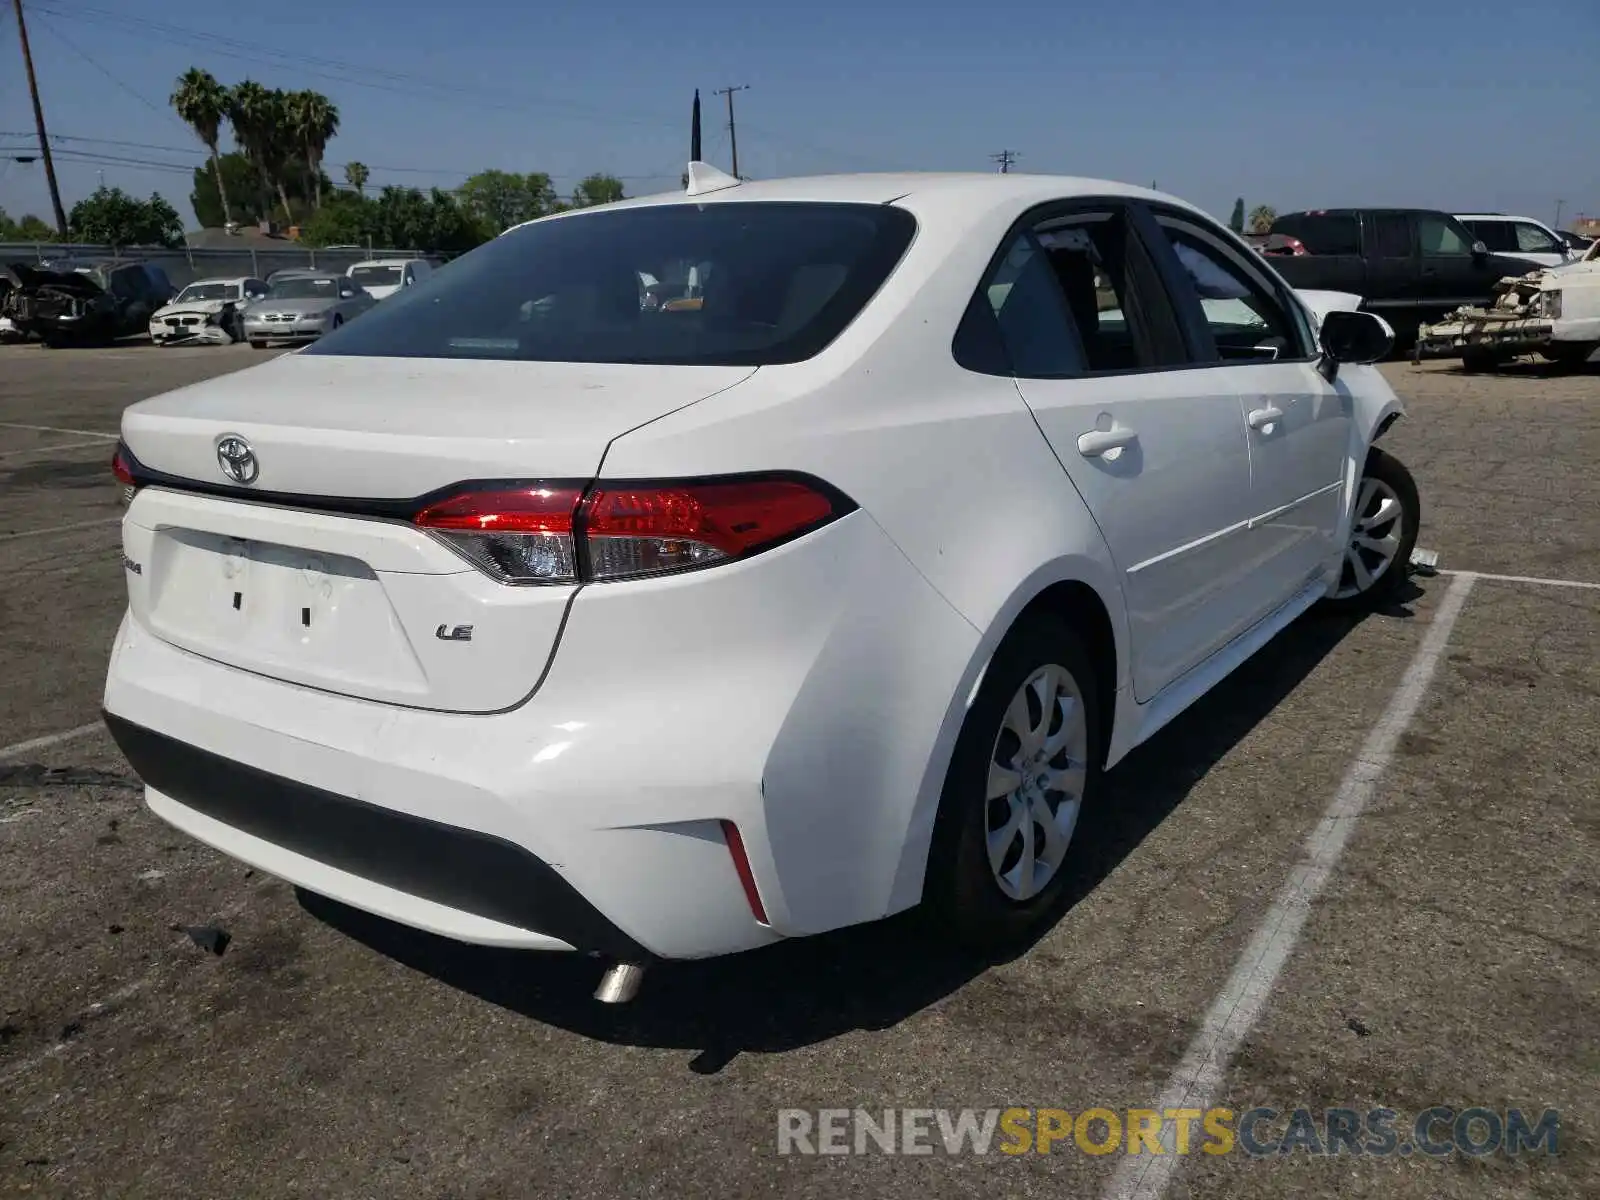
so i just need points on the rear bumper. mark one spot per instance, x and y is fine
(444, 867)
(809, 696)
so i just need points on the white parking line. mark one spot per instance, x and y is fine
(97, 440)
(1243, 998)
(28, 533)
(1572, 583)
(91, 433)
(49, 739)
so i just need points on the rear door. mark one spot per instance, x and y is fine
(1251, 339)
(1158, 455)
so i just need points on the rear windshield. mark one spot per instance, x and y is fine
(732, 283)
(375, 276)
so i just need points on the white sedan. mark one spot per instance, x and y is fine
(533, 616)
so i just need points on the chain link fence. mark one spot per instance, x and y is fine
(184, 266)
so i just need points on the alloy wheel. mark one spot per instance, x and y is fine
(1037, 772)
(1375, 538)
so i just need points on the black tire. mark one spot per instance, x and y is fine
(1475, 362)
(1390, 471)
(1571, 355)
(961, 896)
(257, 345)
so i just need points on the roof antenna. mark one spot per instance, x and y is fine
(703, 178)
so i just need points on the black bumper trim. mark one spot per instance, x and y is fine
(463, 869)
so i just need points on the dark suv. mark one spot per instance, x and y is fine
(74, 302)
(1411, 266)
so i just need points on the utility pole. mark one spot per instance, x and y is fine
(1560, 204)
(38, 118)
(733, 137)
(1005, 158)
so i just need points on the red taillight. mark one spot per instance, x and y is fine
(646, 530)
(741, 867)
(121, 469)
(533, 534)
(518, 535)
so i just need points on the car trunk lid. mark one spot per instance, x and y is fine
(311, 573)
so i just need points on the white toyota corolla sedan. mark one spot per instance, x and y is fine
(823, 581)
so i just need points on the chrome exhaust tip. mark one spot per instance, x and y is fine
(620, 983)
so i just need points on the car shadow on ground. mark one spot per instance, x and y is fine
(809, 990)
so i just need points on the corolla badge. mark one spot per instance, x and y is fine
(237, 460)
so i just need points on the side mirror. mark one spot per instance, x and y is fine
(1479, 250)
(1353, 337)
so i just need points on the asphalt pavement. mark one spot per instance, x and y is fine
(1362, 874)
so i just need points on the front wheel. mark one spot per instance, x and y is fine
(1382, 535)
(1025, 763)
(1570, 354)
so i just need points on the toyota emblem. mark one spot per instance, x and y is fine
(237, 460)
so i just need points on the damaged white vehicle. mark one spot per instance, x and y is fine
(1554, 313)
(209, 312)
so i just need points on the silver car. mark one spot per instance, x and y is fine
(301, 308)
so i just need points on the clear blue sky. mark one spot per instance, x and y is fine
(1459, 105)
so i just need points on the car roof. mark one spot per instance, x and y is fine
(926, 193)
(383, 262)
(219, 279)
(1496, 217)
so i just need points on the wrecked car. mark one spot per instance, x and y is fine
(209, 312)
(79, 303)
(1554, 313)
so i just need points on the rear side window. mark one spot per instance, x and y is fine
(730, 283)
(1391, 235)
(1075, 295)
(1325, 233)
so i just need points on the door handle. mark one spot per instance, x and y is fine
(1097, 441)
(1262, 417)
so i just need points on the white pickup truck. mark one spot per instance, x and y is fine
(1554, 312)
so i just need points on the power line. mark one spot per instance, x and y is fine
(142, 99)
(201, 155)
(1005, 158)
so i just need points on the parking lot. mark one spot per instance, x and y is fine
(1449, 952)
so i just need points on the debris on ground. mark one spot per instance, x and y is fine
(211, 938)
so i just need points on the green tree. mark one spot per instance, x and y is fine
(1236, 222)
(261, 126)
(250, 202)
(597, 189)
(111, 216)
(34, 229)
(497, 200)
(311, 122)
(356, 175)
(202, 103)
(345, 219)
(1261, 218)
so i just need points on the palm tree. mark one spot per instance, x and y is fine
(1261, 218)
(356, 175)
(202, 104)
(280, 145)
(250, 111)
(313, 120)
